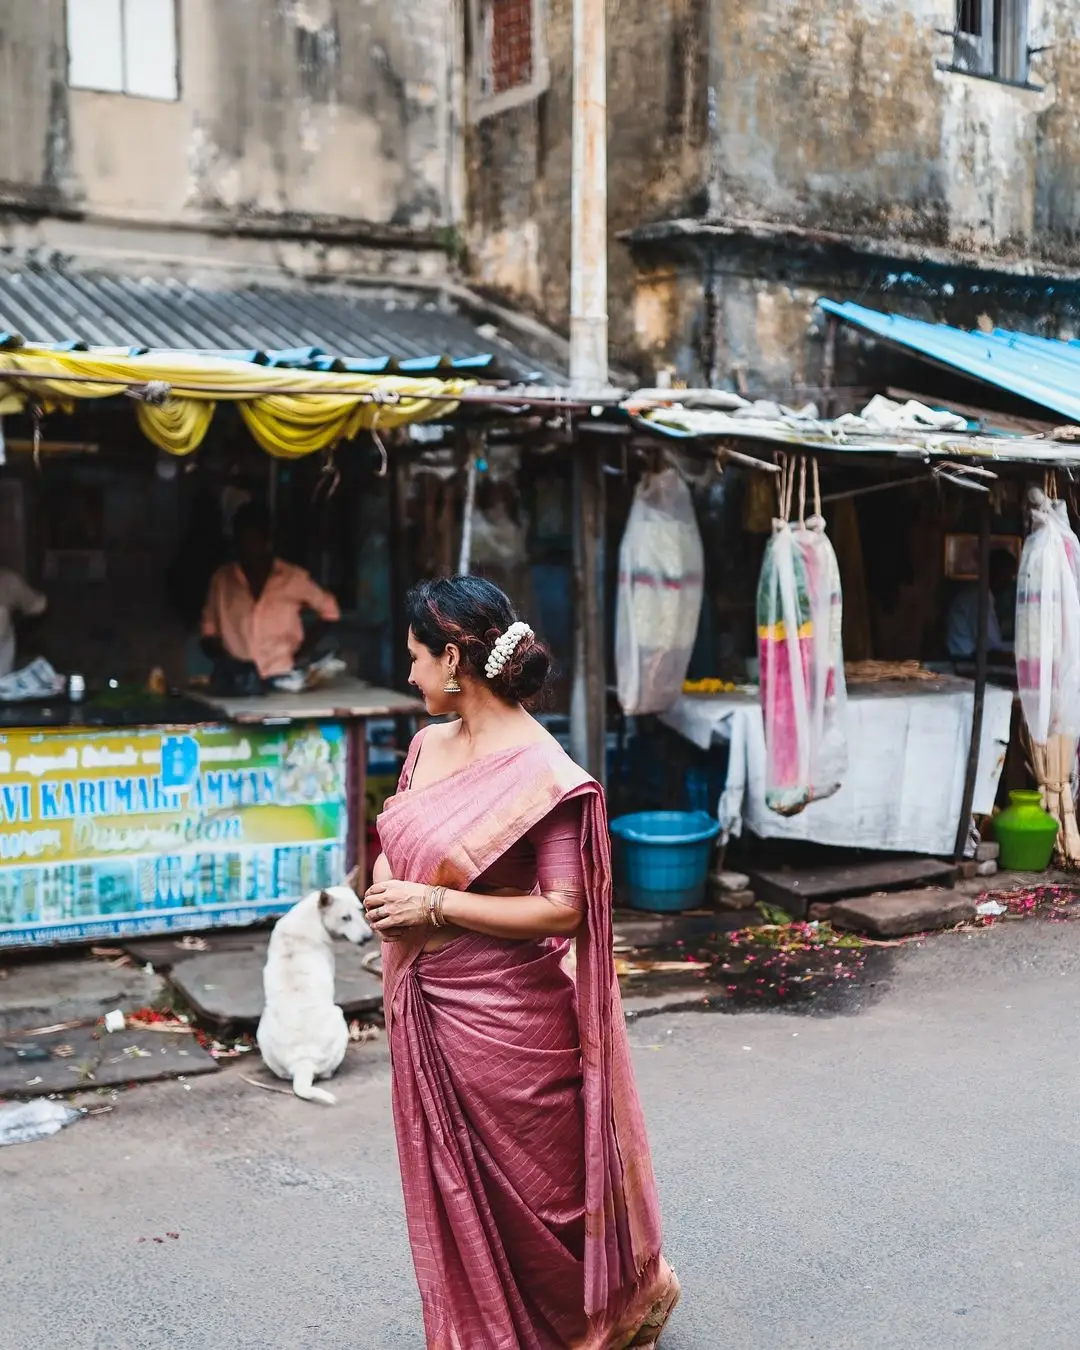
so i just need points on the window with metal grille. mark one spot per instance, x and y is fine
(991, 38)
(123, 47)
(509, 59)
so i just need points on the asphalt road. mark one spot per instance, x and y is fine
(901, 1175)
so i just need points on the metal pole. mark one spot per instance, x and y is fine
(588, 202)
(588, 372)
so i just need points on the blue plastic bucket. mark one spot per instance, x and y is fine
(662, 859)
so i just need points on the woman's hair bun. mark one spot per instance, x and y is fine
(473, 614)
(526, 673)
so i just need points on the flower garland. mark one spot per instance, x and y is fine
(505, 646)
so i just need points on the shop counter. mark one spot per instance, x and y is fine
(122, 818)
(907, 756)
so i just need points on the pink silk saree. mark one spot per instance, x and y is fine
(529, 1189)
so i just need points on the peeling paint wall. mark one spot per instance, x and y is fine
(789, 120)
(519, 161)
(34, 123)
(828, 113)
(840, 114)
(306, 113)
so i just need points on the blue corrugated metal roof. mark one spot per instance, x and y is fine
(1043, 370)
(316, 327)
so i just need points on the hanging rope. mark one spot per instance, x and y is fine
(785, 486)
(36, 413)
(328, 481)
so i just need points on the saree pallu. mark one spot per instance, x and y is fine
(529, 1190)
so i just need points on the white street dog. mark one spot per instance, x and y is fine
(302, 1033)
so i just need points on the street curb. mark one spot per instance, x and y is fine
(637, 1006)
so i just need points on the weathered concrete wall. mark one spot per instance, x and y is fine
(828, 113)
(746, 312)
(520, 161)
(837, 114)
(815, 121)
(34, 122)
(306, 114)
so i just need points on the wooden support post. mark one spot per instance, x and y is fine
(828, 373)
(448, 511)
(400, 580)
(588, 699)
(359, 748)
(963, 825)
(474, 444)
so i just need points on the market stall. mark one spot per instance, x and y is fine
(905, 786)
(216, 814)
(919, 519)
(337, 712)
(132, 800)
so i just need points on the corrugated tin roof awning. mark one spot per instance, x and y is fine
(1042, 370)
(884, 428)
(314, 327)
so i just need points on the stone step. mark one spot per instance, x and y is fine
(646, 931)
(902, 913)
(40, 993)
(795, 890)
(170, 949)
(226, 988)
(87, 1058)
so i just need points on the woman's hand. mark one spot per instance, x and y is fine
(392, 907)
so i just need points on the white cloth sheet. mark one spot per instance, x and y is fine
(905, 781)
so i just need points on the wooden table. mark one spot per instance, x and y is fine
(346, 700)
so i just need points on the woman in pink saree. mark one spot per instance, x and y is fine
(529, 1191)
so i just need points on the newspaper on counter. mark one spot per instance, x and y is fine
(319, 673)
(37, 680)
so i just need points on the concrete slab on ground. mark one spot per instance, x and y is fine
(88, 1057)
(226, 987)
(1015, 881)
(37, 993)
(903, 912)
(795, 890)
(165, 952)
(687, 998)
(643, 931)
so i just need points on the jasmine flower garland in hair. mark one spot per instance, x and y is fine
(505, 646)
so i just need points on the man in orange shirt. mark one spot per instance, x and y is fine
(252, 626)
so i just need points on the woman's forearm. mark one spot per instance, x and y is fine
(510, 916)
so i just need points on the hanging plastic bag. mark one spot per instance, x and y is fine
(800, 649)
(661, 566)
(1048, 657)
(1048, 622)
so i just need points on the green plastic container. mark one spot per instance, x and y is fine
(1026, 833)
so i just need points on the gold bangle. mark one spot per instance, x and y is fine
(437, 897)
(429, 900)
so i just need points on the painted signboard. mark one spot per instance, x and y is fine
(141, 830)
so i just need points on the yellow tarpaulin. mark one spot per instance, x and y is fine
(329, 408)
